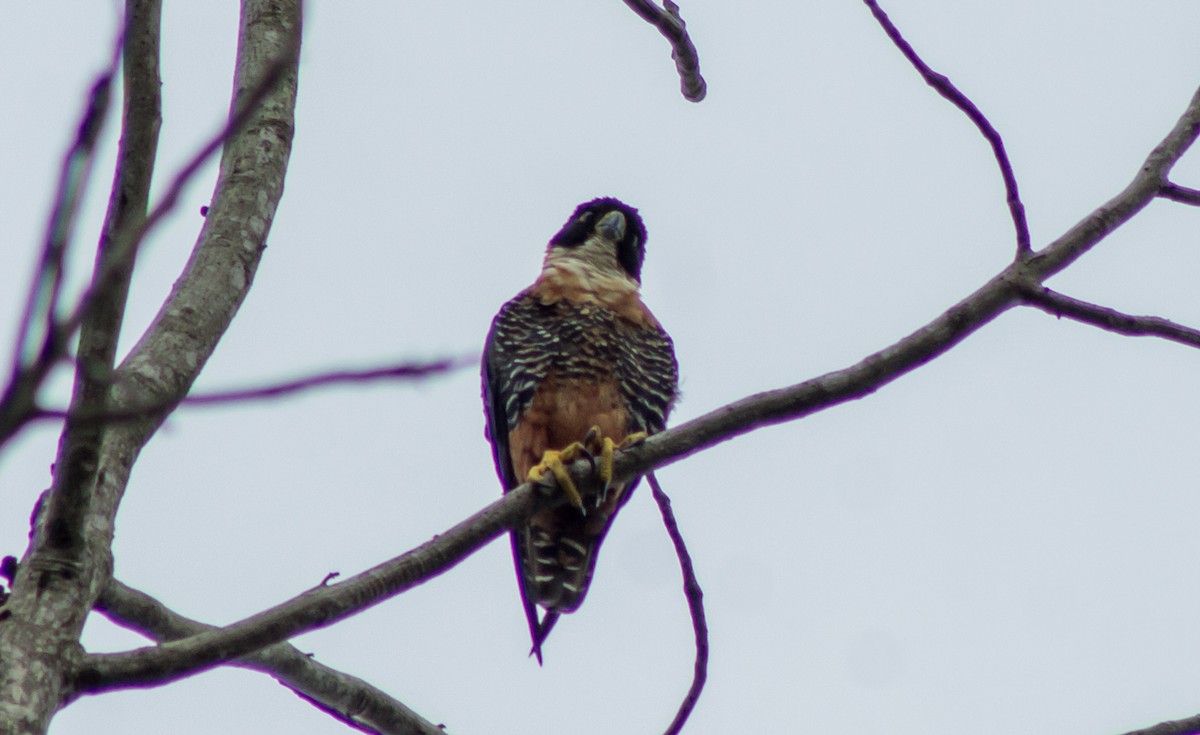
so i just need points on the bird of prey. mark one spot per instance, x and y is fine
(575, 365)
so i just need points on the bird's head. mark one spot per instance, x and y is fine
(607, 225)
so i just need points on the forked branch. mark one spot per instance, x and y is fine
(1110, 320)
(344, 697)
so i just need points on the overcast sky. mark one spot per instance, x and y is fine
(1003, 541)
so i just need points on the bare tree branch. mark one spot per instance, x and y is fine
(130, 195)
(324, 606)
(403, 371)
(683, 51)
(52, 593)
(695, 601)
(317, 608)
(946, 88)
(391, 372)
(42, 301)
(345, 697)
(1181, 194)
(1110, 320)
(244, 111)
(18, 404)
(69, 499)
(41, 342)
(1189, 726)
(53, 590)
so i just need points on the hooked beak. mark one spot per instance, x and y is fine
(612, 226)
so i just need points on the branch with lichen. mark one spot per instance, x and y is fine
(68, 561)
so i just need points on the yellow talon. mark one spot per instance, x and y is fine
(607, 448)
(555, 462)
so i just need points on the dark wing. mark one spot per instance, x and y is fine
(649, 376)
(516, 358)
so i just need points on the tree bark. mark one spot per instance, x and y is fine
(68, 561)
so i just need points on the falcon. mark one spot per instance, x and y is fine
(575, 366)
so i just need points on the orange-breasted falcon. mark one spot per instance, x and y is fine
(575, 365)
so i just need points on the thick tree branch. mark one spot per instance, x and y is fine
(326, 605)
(1110, 320)
(130, 238)
(53, 590)
(69, 500)
(345, 697)
(40, 623)
(687, 61)
(18, 404)
(946, 88)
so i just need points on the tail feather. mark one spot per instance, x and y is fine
(539, 631)
(555, 555)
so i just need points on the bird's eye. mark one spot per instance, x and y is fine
(585, 216)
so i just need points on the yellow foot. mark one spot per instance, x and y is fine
(607, 447)
(555, 462)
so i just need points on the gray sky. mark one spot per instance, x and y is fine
(1003, 541)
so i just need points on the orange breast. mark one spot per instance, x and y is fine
(562, 412)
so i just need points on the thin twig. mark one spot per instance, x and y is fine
(347, 698)
(1181, 194)
(128, 242)
(41, 342)
(18, 403)
(695, 601)
(42, 302)
(946, 88)
(672, 26)
(406, 371)
(403, 371)
(1110, 320)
